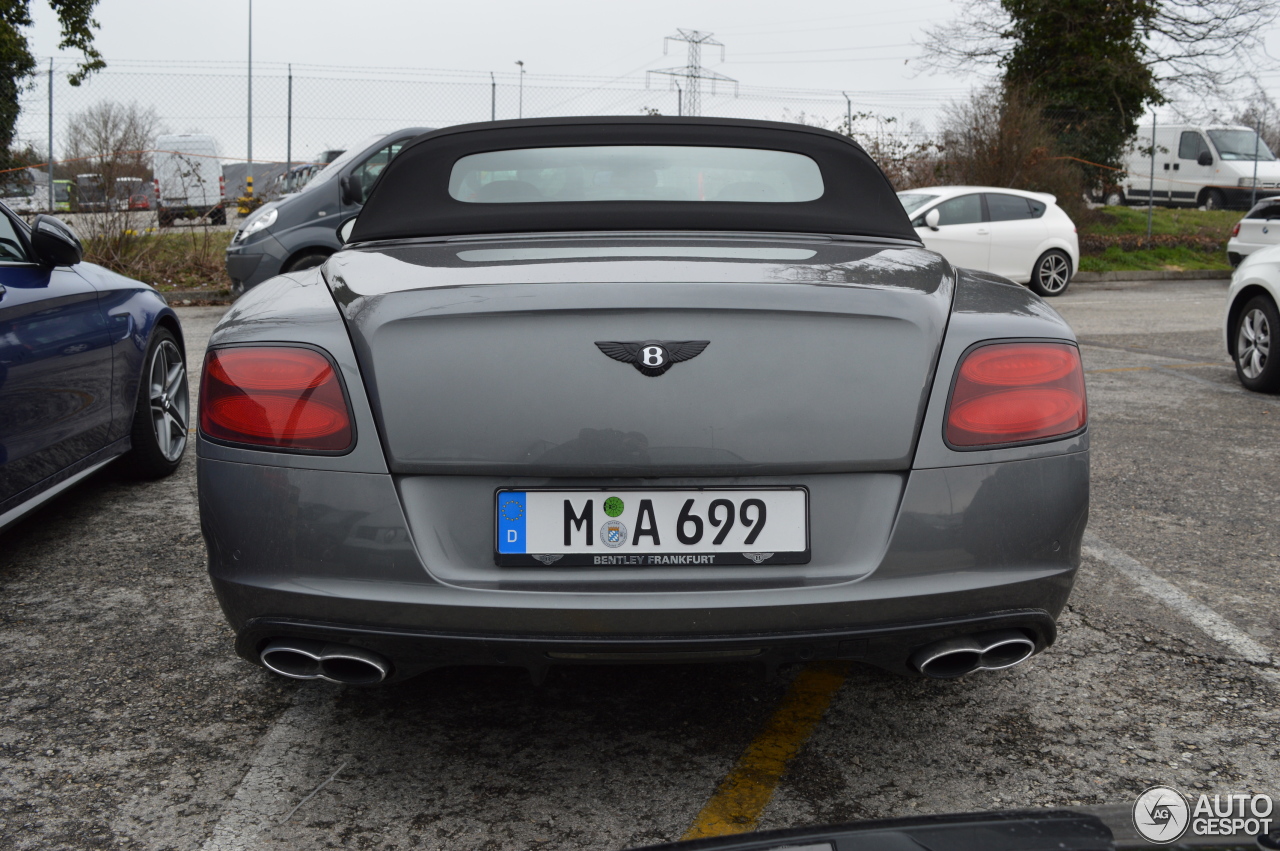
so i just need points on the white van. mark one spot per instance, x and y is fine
(188, 179)
(1198, 166)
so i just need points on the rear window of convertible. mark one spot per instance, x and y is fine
(635, 173)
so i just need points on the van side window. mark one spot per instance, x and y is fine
(1190, 145)
(368, 171)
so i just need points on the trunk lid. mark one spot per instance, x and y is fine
(481, 357)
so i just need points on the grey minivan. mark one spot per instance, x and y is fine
(300, 230)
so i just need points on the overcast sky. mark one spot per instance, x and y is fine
(866, 48)
(831, 44)
(818, 44)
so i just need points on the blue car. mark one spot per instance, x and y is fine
(92, 368)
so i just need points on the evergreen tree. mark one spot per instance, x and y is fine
(17, 65)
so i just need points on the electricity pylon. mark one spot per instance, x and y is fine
(694, 73)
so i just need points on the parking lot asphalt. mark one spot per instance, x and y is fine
(127, 722)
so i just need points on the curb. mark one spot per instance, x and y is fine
(176, 300)
(1202, 275)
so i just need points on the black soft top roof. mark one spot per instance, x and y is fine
(411, 197)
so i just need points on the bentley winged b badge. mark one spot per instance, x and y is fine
(653, 357)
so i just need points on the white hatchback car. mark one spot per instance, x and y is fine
(1259, 228)
(1024, 236)
(1252, 319)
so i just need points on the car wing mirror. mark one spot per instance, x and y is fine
(1205, 158)
(352, 190)
(345, 229)
(932, 218)
(55, 243)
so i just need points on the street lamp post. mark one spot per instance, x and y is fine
(248, 180)
(521, 107)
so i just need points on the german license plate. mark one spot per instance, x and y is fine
(683, 527)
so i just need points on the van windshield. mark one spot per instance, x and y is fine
(331, 170)
(1240, 145)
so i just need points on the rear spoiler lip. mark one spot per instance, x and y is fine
(749, 236)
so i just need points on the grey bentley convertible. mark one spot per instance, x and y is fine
(609, 390)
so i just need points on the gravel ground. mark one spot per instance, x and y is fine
(127, 722)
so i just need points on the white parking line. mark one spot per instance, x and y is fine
(288, 753)
(1210, 622)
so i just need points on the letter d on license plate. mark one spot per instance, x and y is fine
(651, 528)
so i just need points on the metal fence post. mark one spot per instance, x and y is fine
(1257, 139)
(493, 98)
(288, 137)
(53, 206)
(1151, 183)
(248, 174)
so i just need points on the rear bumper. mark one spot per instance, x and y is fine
(326, 554)
(412, 652)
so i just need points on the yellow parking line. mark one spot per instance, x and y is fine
(1158, 366)
(741, 798)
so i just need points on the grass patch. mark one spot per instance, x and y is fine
(1172, 221)
(1160, 258)
(1114, 239)
(193, 259)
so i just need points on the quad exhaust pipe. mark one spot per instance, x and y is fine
(984, 651)
(304, 659)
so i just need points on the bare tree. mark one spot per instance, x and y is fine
(113, 137)
(1200, 47)
(1000, 137)
(1262, 114)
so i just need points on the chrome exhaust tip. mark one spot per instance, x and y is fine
(986, 651)
(305, 659)
(1004, 648)
(949, 658)
(352, 666)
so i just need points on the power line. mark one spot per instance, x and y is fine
(826, 49)
(812, 61)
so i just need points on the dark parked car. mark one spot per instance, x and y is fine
(91, 369)
(606, 390)
(298, 231)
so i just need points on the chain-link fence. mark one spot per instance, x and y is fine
(302, 111)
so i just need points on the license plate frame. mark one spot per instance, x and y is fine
(617, 557)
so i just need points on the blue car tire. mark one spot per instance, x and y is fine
(162, 416)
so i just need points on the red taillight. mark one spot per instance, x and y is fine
(278, 396)
(1235, 231)
(1015, 392)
